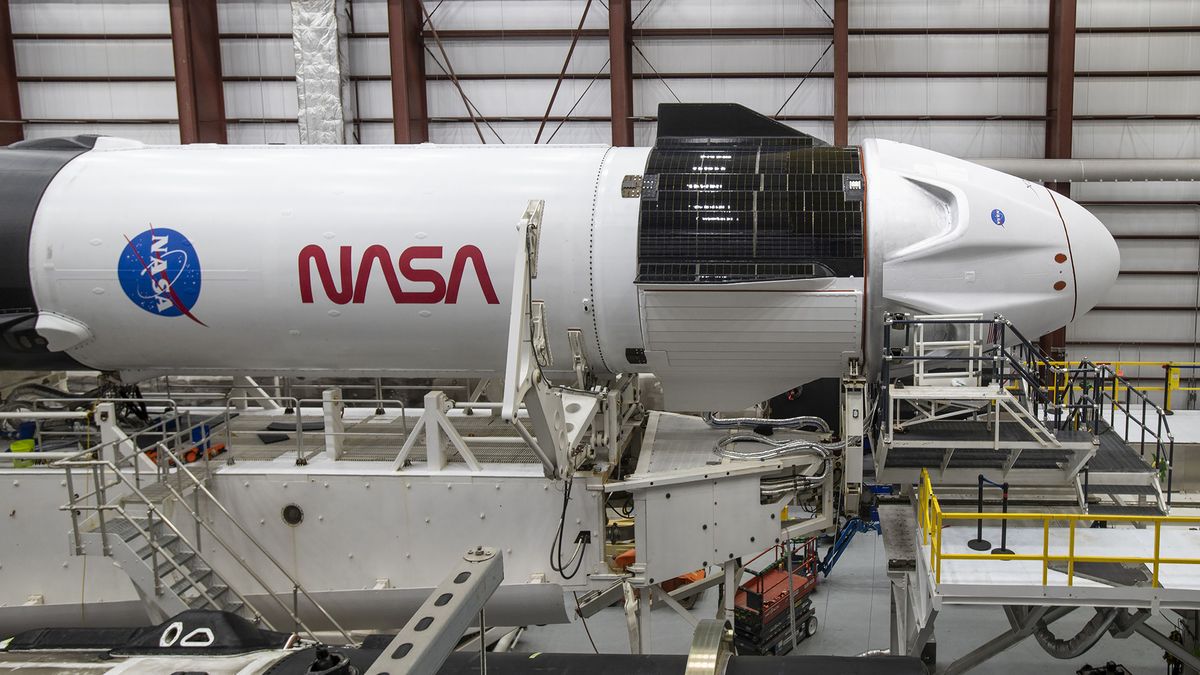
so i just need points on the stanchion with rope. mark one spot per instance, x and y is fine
(1003, 550)
(979, 543)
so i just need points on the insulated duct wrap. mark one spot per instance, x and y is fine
(321, 67)
(1084, 640)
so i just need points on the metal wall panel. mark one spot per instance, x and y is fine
(95, 58)
(98, 100)
(155, 134)
(123, 16)
(961, 139)
(260, 58)
(1140, 13)
(949, 13)
(948, 53)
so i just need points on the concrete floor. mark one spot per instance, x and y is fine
(852, 606)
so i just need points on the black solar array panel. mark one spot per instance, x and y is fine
(749, 209)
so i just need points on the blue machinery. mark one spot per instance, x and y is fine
(845, 535)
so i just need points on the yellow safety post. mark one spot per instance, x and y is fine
(1157, 541)
(1071, 556)
(1171, 385)
(923, 505)
(1045, 550)
(938, 515)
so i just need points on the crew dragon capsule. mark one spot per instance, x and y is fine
(735, 259)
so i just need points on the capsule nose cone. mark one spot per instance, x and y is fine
(1095, 260)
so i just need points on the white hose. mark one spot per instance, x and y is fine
(776, 448)
(802, 422)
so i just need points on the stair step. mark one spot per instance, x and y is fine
(905, 457)
(215, 592)
(119, 527)
(1115, 489)
(181, 559)
(1119, 510)
(183, 585)
(160, 491)
(163, 541)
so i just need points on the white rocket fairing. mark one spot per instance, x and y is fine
(734, 264)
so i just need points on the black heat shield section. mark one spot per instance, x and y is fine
(26, 169)
(720, 120)
(725, 209)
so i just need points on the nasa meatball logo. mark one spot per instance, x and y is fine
(160, 272)
(998, 217)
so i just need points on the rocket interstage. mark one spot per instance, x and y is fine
(735, 260)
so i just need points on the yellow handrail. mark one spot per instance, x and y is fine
(931, 519)
(1171, 380)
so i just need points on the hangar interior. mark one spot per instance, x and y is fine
(804, 244)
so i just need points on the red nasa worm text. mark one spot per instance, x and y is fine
(351, 287)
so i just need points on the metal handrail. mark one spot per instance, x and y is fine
(1022, 357)
(157, 429)
(100, 508)
(1170, 383)
(199, 485)
(292, 404)
(1164, 439)
(165, 456)
(931, 520)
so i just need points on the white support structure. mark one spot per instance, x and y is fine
(559, 417)
(114, 442)
(256, 393)
(332, 409)
(422, 646)
(854, 413)
(433, 423)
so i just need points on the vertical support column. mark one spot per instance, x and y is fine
(620, 67)
(841, 72)
(1060, 84)
(332, 409)
(1060, 111)
(196, 42)
(729, 597)
(435, 452)
(11, 130)
(644, 605)
(853, 418)
(406, 50)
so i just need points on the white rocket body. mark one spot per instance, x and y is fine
(209, 259)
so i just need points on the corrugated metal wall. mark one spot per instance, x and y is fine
(966, 77)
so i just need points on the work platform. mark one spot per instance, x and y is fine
(1126, 584)
(367, 436)
(1037, 567)
(988, 579)
(1009, 415)
(972, 444)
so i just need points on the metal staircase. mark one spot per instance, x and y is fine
(973, 401)
(168, 572)
(151, 511)
(966, 396)
(1133, 465)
